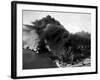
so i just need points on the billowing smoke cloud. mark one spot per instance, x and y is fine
(30, 39)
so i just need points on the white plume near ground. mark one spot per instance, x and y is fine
(30, 39)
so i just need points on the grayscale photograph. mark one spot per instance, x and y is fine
(55, 39)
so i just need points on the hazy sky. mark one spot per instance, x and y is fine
(73, 22)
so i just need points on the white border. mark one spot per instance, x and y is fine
(35, 72)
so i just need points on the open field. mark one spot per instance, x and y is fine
(32, 60)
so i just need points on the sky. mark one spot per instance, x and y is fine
(73, 22)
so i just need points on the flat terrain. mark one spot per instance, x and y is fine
(33, 61)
